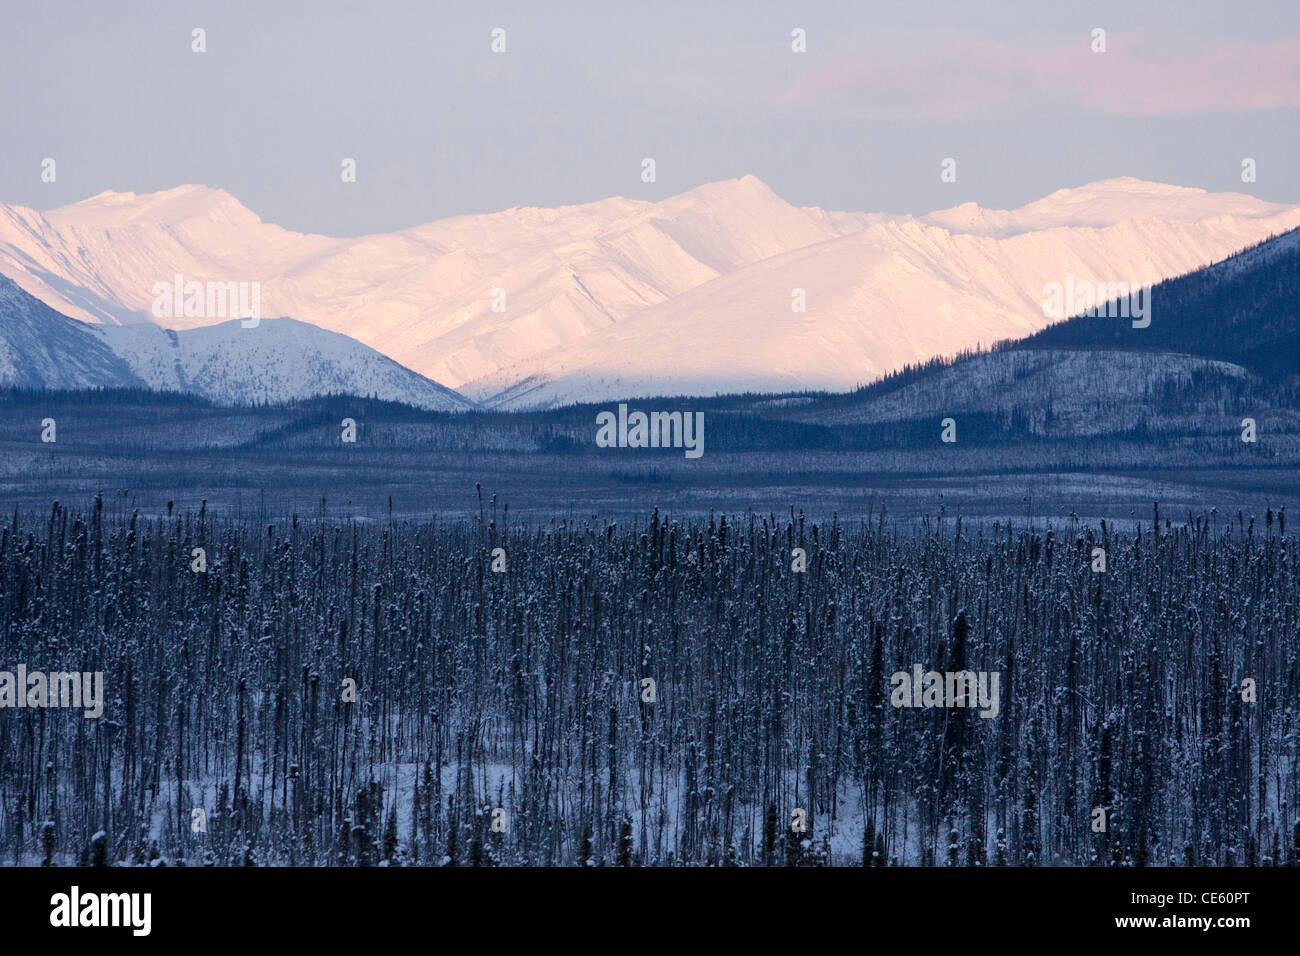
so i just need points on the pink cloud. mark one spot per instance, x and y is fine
(1133, 78)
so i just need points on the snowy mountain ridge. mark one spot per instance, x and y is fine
(624, 297)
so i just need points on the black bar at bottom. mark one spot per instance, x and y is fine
(339, 906)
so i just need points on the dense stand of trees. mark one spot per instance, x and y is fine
(522, 691)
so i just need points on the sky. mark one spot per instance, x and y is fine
(439, 124)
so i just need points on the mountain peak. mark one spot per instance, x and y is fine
(168, 207)
(748, 186)
(1121, 186)
(1103, 203)
(1133, 184)
(1108, 201)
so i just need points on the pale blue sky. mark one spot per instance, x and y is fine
(439, 125)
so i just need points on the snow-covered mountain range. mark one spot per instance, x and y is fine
(622, 297)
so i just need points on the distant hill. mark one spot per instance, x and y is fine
(41, 348)
(279, 360)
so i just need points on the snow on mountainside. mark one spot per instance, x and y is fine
(278, 360)
(877, 300)
(39, 348)
(1221, 339)
(98, 259)
(422, 296)
(1241, 310)
(627, 297)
